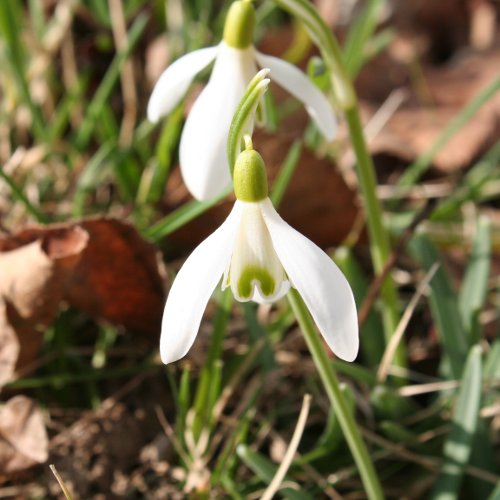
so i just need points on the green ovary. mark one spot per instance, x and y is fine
(252, 274)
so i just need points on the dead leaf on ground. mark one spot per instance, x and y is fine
(318, 202)
(9, 348)
(415, 126)
(100, 266)
(23, 438)
(34, 270)
(120, 277)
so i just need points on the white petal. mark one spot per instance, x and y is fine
(203, 156)
(192, 289)
(175, 80)
(319, 281)
(298, 84)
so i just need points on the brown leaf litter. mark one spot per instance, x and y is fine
(23, 438)
(101, 266)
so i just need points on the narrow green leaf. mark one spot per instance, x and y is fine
(181, 216)
(286, 172)
(93, 173)
(265, 471)
(18, 194)
(458, 445)
(423, 162)
(444, 306)
(492, 364)
(92, 115)
(10, 27)
(496, 493)
(359, 34)
(475, 284)
(169, 140)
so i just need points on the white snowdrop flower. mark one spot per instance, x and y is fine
(259, 256)
(203, 161)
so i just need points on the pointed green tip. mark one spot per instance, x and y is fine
(250, 177)
(240, 25)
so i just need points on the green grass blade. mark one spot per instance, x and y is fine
(265, 471)
(475, 284)
(496, 493)
(359, 34)
(10, 27)
(91, 118)
(417, 168)
(286, 172)
(458, 445)
(181, 216)
(444, 305)
(18, 194)
(91, 176)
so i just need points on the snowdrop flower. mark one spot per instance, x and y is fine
(203, 162)
(259, 256)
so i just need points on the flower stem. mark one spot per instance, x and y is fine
(345, 97)
(337, 400)
(379, 238)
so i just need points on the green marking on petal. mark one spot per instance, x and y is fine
(254, 273)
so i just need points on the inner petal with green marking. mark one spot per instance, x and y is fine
(255, 272)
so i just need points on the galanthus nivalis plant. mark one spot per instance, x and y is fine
(203, 162)
(259, 256)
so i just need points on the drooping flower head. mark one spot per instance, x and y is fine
(203, 161)
(259, 256)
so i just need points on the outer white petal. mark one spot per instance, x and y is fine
(175, 80)
(203, 146)
(193, 287)
(319, 281)
(298, 84)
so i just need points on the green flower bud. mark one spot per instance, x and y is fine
(240, 24)
(250, 177)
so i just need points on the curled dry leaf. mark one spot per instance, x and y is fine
(23, 438)
(100, 266)
(35, 266)
(120, 277)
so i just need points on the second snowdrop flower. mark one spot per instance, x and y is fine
(203, 161)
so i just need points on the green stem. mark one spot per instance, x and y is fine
(379, 238)
(208, 373)
(337, 400)
(345, 97)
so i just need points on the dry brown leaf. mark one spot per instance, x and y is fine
(34, 267)
(318, 203)
(100, 266)
(416, 125)
(120, 277)
(9, 348)
(23, 438)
